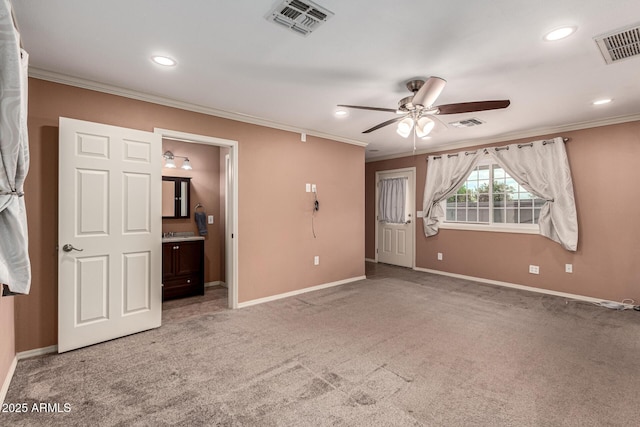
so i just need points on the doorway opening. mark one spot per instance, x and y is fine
(229, 183)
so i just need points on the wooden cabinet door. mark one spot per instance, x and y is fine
(189, 258)
(168, 253)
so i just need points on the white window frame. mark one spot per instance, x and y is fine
(495, 227)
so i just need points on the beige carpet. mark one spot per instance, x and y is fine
(401, 348)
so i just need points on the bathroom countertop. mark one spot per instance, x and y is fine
(175, 239)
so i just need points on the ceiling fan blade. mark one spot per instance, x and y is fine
(359, 107)
(387, 123)
(468, 107)
(429, 92)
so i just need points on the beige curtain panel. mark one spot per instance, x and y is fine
(392, 201)
(445, 174)
(542, 168)
(15, 268)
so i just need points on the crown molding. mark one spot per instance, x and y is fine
(510, 137)
(54, 77)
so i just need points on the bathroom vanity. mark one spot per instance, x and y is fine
(182, 266)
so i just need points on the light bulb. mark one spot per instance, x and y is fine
(404, 127)
(424, 126)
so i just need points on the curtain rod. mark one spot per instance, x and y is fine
(530, 144)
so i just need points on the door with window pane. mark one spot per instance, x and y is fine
(395, 238)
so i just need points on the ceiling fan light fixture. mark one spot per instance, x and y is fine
(404, 127)
(560, 33)
(424, 127)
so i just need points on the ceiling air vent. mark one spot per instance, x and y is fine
(621, 44)
(466, 123)
(300, 16)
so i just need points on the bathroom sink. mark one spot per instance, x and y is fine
(180, 237)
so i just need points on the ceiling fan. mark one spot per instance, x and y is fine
(415, 110)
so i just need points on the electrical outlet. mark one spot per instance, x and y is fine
(210, 219)
(313, 188)
(308, 187)
(316, 260)
(568, 268)
(534, 269)
(439, 256)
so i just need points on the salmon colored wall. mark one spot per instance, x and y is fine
(205, 189)
(7, 336)
(605, 174)
(276, 248)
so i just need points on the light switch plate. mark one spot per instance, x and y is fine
(210, 219)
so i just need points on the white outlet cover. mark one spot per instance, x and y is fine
(308, 187)
(313, 188)
(534, 269)
(316, 260)
(210, 219)
(568, 268)
(439, 256)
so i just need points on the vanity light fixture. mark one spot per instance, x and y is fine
(169, 161)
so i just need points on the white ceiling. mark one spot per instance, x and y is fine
(230, 58)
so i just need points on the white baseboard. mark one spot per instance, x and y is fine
(370, 260)
(216, 283)
(299, 291)
(515, 286)
(7, 380)
(20, 356)
(37, 352)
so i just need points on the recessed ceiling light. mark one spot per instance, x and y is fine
(602, 101)
(559, 33)
(163, 60)
(340, 112)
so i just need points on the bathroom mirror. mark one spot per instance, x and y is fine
(175, 197)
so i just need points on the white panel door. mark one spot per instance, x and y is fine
(109, 233)
(395, 242)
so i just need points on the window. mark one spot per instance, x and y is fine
(491, 199)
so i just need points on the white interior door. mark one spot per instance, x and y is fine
(395, 242)
(109, 231)
(228, 203)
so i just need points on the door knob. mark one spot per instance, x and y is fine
(69, 248)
